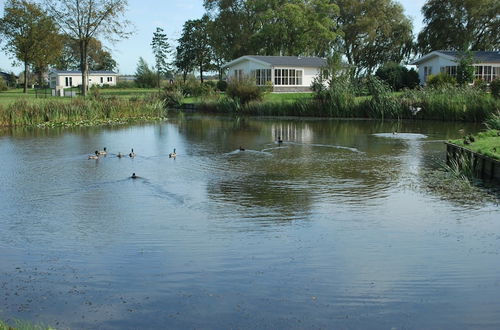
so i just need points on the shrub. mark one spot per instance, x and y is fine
(244, 90)
(481, 85)
(172, 97)
(495, 88)
(494, 121)
(397, 76)
(222, 85)
(441, 80)
(3, 85)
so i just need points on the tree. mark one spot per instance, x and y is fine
(30, 35)
(460, 25)
(161, 49)
(82, 20)
(99, 59)
(397, 76)
(272, 27)
(375, 32)
(195, 45)
(145, 77)
(465, 68)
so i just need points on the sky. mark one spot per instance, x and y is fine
(170, 15)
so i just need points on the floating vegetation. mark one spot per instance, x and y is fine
(457, 181)
(23, 325)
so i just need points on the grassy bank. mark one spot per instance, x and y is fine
(79, 111)
(486, 143)
(21, 325)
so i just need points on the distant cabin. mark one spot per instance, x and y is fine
(486, 64)
(67, 79)
(285, 73)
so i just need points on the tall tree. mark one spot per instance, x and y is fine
(375, 32)
(98, 57)
(460, 25)
(83, 20)
(195, 41)
(30, 35)
(272, 27)
(161, 49)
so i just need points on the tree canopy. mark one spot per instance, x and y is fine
(30, 35)
(374, 32)
(82, 20)
(460, 25)
(161, 49)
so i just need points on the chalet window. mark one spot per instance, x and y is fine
(69, 81)
(262, 76)
(449, 70)
(238, 74)
(483, 72)
(427, 72)
(110, 79)
(288, 77)
(102, 80)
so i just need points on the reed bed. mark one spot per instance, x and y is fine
(89, 110)
(447, 104)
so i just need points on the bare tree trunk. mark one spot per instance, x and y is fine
(201, 73)
(26, 68)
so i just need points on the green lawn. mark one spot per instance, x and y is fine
(486, 143)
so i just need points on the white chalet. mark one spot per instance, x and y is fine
(486, 63)
(67, 79)
(284, 73)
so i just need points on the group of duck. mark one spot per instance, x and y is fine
(98, 153)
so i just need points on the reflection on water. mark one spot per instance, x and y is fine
(333, 228)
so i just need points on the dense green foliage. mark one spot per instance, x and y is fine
(374, 32)
(495, 88)
(244, 90)
(441, 80)
(3, 85)
(398, 76)
(145, 77)
(99, 59)
(31, 36)
(460, 25)
(194, 49)
(465, 68)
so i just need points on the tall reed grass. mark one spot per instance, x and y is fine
(29, 113)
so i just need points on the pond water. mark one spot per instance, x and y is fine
(334, 228)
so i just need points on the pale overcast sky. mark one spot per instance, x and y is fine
(170, 15)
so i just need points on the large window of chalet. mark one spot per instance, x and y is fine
(287, 77)
(262, 76)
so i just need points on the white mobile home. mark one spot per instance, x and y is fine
(67, 79)
(487, 64)
(285, 73)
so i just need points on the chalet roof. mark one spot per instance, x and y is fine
(79, 72)
(290, 61)
(479, 56)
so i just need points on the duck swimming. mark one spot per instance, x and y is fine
(120, 155)
(132, 153)
(95, 156)
(134, 176)
(103, 152)
(172, 154)
(280, 141)
(241, 149)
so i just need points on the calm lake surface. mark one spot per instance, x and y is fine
(335, 228)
